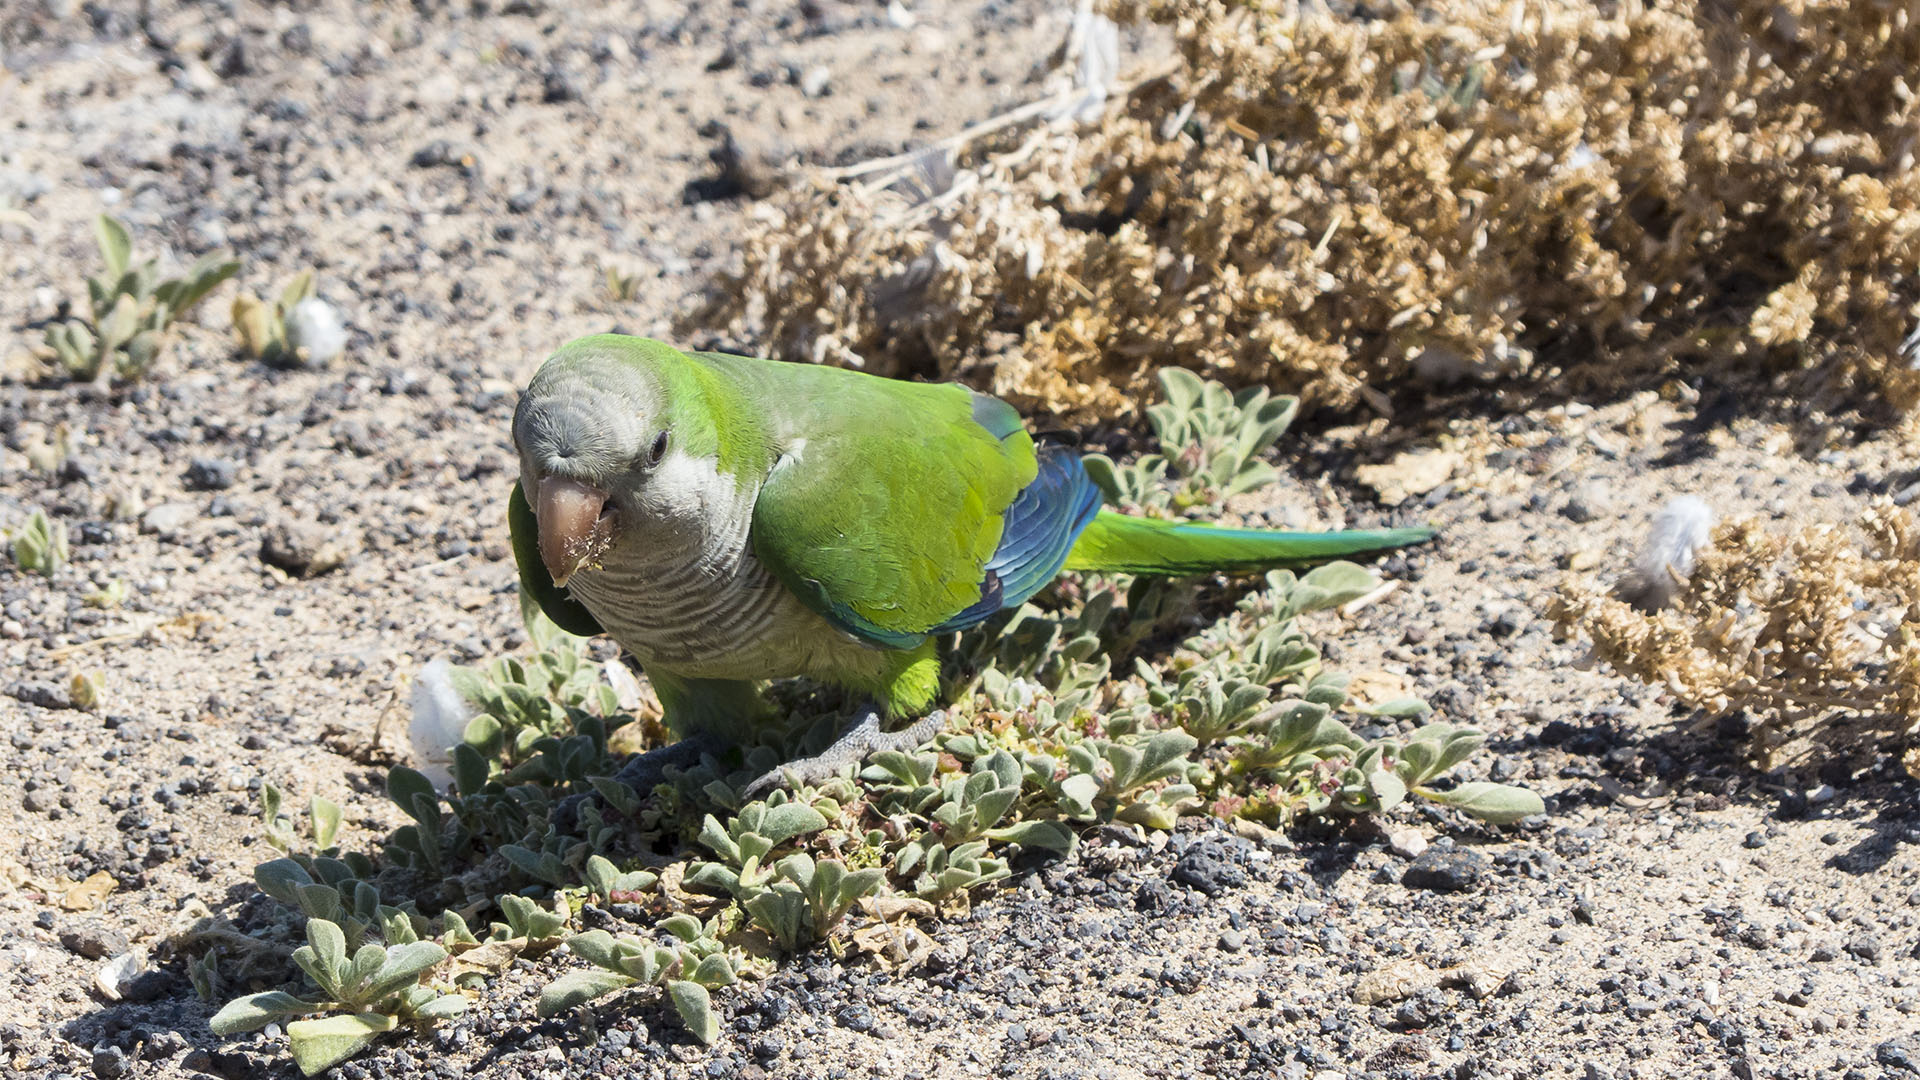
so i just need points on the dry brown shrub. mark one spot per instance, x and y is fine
(1331, 206)
(1816, 637)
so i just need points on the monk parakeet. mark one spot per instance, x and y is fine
(729, 520)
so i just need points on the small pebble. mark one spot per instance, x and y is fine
(1440, 870)
(211, 474)
(110, 1062)
(93, 941)
(1407, 842)
(1206, 867)
(1588, 502)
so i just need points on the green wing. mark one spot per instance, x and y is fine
(883, 521)
(566, 612)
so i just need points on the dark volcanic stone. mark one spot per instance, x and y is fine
(44, 694)
(94, 941)
(1895, 1056)
(211, 474)
(856, 1017)
(1444, 871)
(306, 549)
(558, 86)
(1206, 867)
(109, 1062)
(1152, 895)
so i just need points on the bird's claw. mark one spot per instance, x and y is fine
(854, 745)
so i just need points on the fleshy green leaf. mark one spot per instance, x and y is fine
(683, 926)
(696, 1009)
(788, 820)
(325, 817)
(318, 1045)
(715, 837)
(579, 987)
(1050, 835)
(712, 878)
(444, 1007)
(1497, 804)
(1387, 787)
(358, 980)
(469, 770)
(116, 247)
(282, 879)
(405, 964)
(1332, 585)
(596, 947)
(255, 1011)
(329, 943)
(206, 274)
(713, 971)
(406, 786)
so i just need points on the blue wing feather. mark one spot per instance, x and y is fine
(1040, 527)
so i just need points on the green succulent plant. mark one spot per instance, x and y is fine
(622, 286)
(132, 307)
(1210, 441)
(372, 990)
(811, 900)
(38, 545)
(744, 843)
(262, 325)
(695, 963)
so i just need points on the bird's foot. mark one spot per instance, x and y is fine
(851, 748)
(642, 773)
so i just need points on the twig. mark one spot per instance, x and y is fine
(186, 619)
(1361, 603)
(65, 651)
(897, 164)
(424, 567)
(894, 166)
(1339, 219)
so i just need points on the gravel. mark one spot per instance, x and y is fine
(386, 156)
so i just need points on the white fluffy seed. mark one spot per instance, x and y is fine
(315, 327)
(1680, 531)
(440, 716)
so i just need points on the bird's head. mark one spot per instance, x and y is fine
(592, 430)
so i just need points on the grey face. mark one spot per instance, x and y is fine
(588, 431)
(583, 422)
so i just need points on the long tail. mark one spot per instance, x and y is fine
(1121, 543)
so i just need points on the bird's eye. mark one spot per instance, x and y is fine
(659, 447)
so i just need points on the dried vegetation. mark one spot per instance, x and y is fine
(1339, 207)
(1814, 638)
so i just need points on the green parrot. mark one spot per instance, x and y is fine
(730, 520)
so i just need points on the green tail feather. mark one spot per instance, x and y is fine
(1120, 543)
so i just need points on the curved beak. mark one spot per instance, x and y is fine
(574, 529)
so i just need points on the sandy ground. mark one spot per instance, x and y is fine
(459, 181)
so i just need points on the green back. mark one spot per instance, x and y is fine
(885, 500)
